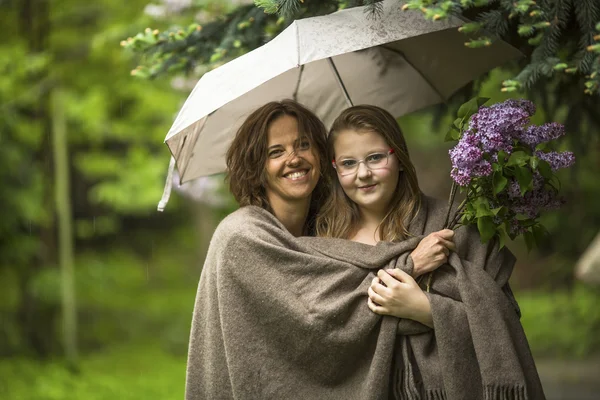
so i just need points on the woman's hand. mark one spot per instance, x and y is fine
(394, 292)
(432, 252)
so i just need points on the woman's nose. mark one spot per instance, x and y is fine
(294, 159)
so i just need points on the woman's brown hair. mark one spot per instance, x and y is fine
(247, 154)
(339, 216)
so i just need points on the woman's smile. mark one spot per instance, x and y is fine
(297, 175)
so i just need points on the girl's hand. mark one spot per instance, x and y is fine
(432, 251)
(394, 292)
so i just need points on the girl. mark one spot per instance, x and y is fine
(375, 198)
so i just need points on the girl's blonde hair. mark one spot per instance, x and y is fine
(339, 216)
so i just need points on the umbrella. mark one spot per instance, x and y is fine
(398, 61)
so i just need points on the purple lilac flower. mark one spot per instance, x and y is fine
(557, 160)
(467, 161)
(536, 201)
(499, 124)
(526, 105)
(515, 227)
(514, 190)
(534, 135)
(466, 153)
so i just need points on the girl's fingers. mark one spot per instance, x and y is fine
(386, 278)
(376, 308)
(374, 297)
(400, 275)
(379, 289)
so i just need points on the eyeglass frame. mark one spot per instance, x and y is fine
(388, 153)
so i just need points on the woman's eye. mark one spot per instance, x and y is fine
(304, 145)
(275, 153)
(348, 163)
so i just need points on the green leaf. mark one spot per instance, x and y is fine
(541, 146)
(452, 135)
(470, 107)
(502, 157)
(499, 182)
(501, 237)
(517, 158)
(525, 179)
(486, 228)
(497, 210)
(534, 162)
(483, 210)
(545, 170)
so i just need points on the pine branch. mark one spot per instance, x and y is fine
(374, 8)
(289, 8)
(587, 13)
(495, 21)
(269, 6)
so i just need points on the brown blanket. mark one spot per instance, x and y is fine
(279, 317)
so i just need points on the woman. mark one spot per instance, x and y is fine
(275, 160)
(278, 315)
(376, 198)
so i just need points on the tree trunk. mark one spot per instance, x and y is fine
(65, 228)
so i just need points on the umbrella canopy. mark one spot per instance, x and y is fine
(398, 61)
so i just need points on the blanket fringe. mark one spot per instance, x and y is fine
(406, 387)
(503, 392)
(435, 394)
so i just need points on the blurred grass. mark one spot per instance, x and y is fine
(562, 324)
(122, 372)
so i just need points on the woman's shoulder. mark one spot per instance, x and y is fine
(243, 222)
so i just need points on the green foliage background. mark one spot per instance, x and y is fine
(137, 270)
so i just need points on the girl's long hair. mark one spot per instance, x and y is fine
(339, 216)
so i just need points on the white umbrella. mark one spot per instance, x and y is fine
(398, 61)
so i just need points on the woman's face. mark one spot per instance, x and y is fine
(374, 182)
(292, 169)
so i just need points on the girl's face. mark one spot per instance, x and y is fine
(367, 169)
(292, 169)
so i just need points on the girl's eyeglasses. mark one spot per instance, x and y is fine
(349, 166)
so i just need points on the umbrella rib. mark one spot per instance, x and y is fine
(398, 52)
(196, 133)
(295, 96)
(340, 82)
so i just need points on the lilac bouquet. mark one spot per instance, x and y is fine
(506, 167)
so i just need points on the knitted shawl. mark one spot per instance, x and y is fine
(280, 317)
